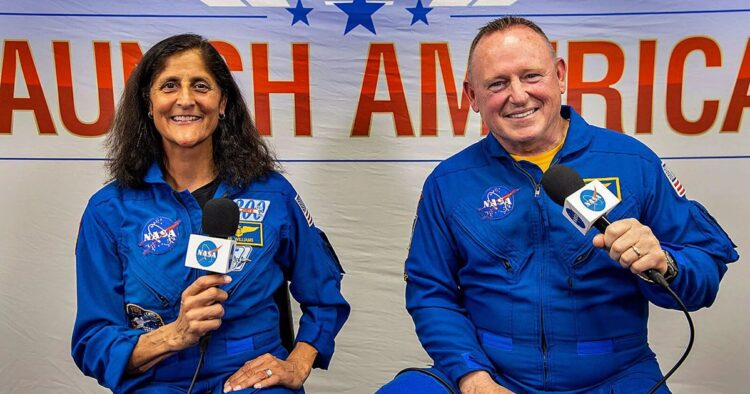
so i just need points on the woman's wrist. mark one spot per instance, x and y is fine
(302, 357)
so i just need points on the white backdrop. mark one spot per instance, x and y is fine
(362, 166)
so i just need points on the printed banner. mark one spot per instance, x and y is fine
(378, 80)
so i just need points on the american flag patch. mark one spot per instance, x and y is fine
(302, 207)
(676, 185)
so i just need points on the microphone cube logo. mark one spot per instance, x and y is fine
(592, 200)
(589, 203)
(207, 253)
(574, 218)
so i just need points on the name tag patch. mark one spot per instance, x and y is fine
(249, 234)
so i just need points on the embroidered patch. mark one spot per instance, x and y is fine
(240, 258)
(676, 185)
(159, 235)
(143, 319)
(249, 234)
(253, 210)
(612, 183)
(302, 206)
(498, 202)
(207, 253)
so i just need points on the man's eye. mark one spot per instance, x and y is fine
(497, 85)
(533, 77)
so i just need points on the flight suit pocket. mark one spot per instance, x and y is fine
(483, 245)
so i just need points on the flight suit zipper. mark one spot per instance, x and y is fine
(543, 336)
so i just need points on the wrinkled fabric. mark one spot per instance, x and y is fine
(498, 280)
(130, 270)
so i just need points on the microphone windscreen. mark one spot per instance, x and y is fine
(560, 181)
(221, 216)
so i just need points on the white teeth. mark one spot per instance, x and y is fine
(523, 114)
(185, 118)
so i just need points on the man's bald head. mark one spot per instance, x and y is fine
(503, 24)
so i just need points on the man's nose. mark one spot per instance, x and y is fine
(518, 93)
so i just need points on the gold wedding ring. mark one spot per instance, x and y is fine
(637, 252)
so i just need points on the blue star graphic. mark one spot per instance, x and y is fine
(299, 13)
(360, 13)
(419, 13)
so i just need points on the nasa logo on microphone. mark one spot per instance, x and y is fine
(159, 235)
(207, 253)
(574, 218)
(612, 183)
(593, 200)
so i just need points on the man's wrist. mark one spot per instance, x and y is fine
(672, 269)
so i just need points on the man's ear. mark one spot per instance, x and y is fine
(471, 94)
(561, 69)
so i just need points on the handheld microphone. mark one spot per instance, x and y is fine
(585, 205)
(213, 252)
(565, 187)
(221, 217)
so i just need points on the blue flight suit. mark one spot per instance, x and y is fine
(498, 280)
(131, 274)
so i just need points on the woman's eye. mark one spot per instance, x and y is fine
(202, 86)
(169, 86)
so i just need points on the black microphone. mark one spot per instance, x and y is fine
(560, 182)
(221, 216)
(214, 252)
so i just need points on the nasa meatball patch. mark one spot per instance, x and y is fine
(159, 235)
(497, 202)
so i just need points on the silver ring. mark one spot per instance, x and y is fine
(637, 252)
(269, 373)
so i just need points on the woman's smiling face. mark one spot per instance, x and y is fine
(185, 102)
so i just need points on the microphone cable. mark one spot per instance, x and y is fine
(658, 278)
(202, 345)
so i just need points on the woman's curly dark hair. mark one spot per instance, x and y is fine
(240, 155)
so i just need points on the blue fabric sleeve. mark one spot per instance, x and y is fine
(699, 246)
(315, 281)
(432, 293)
(102, 340)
